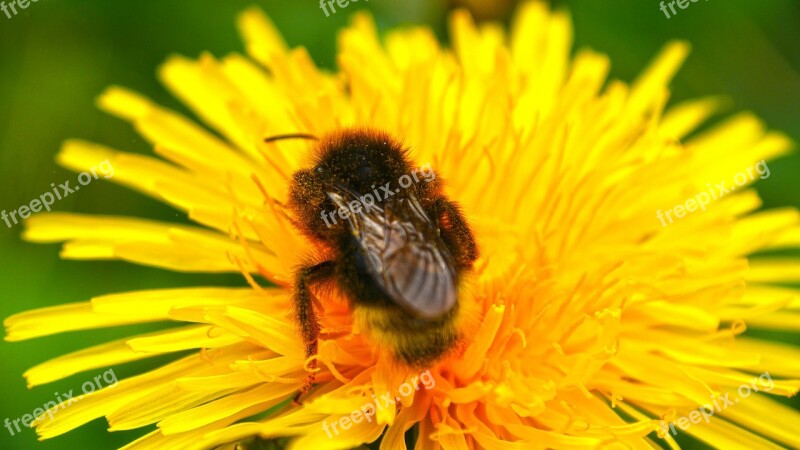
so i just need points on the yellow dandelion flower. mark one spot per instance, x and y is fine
(599, 318)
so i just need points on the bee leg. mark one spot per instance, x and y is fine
(456, 233)
(307, 318)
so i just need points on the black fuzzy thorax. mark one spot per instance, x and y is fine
(361, 161)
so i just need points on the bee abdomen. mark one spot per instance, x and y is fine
(414, 342)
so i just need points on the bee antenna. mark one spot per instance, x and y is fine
(291, 136)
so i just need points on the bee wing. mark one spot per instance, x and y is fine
(404, 254)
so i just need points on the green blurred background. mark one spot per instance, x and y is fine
(57, 56)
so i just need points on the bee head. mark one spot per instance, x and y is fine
(359, 160)
(352, 163)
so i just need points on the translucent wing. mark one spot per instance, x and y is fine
(403, 253)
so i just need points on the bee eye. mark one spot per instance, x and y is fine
(319, 169)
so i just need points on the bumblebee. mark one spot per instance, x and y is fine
(395, 250)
